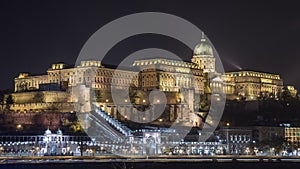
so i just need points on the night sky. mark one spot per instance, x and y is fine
(255, 35)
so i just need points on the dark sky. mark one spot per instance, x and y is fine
(254, 35)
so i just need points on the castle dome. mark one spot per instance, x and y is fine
(203, 48)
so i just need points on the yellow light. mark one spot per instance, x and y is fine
(227, 124)
(160, 120)
(144, 118)
(144, 101)
(19, 126)
(106, 100)
(126, 100)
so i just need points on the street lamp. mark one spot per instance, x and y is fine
(247, 151)
(255, 150)
(1, 150)
(273, 151)
(19, 126)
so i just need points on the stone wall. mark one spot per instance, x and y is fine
(37, 119)
(40, 96)
(38, 107)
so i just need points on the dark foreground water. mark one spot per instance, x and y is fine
(158, 165)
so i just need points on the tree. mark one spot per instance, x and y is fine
(39, 97)
(286, 95)
(271, 96)
(278, 143)
(2, 99)
(134, 95)
(98, 95)
(76, 127)
(9, 101)
(204, 105)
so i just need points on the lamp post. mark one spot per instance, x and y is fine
(247, 150)
(255, 150)
(227, 139)
(273, 151)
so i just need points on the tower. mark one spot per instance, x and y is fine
(204, 56)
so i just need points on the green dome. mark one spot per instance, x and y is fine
(203, 48)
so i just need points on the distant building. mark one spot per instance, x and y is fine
(252, 84)
(282, 132)
(292, 135)
(292, 90)
(267, 133)
(237, 139)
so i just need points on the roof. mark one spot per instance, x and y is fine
(250, 70)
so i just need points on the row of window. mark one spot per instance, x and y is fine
(98, 73)
(254, 74)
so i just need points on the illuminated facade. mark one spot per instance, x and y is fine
(292, 135)
(292, 90)
(170, 75)
(252, 84)
(89, 73)
(175, 78)
(237, 139)
(181, 81)
(204, 56)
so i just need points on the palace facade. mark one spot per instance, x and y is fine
(182, 82)
(252, 84)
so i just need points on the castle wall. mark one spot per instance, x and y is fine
(40, 96)
(40, 107)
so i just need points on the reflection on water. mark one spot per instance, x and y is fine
(154, 165)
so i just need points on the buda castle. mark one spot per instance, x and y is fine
(182, 82)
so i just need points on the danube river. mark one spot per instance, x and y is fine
(152, 163)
